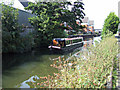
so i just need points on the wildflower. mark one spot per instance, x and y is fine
(51, 65)
(59, 59)
(89, 69)
(38, 83)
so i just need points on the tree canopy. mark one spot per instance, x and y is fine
(111, 23)
(50, 18)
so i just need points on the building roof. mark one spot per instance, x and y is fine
(24, 2)
(85, 20)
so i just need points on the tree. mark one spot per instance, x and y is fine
(49, 19)
(10, 28)
(46, 22)
(77, 14)
(111, 24)
(12, 40)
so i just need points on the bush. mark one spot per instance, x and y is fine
(12, 41)
(25, 43)
(111, 23)
(107, 34)
(91, 71)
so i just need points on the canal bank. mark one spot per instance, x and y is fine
(93, 71)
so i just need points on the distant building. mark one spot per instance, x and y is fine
(89, 25)
(85, 22)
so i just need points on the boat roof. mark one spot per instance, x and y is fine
(62, 39)
(59, 39)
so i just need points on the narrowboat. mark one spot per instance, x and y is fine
(66, 44)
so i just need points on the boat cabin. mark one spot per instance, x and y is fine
(60, 43)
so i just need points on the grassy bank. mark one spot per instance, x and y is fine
(91, 72)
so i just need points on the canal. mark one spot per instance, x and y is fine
(18, 70)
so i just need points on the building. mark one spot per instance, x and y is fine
(85, 22)
(89, 25)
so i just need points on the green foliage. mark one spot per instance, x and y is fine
(50, 17)
(111, 24)
(107, 34)
(89, 72)
(76, 14)
(10, 28)
(12, 41)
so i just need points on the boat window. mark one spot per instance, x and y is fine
(62, 43)
(77, 40)
(73, 41)
(67, 42)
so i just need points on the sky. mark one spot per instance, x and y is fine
(98, 10)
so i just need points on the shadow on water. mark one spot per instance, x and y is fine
(18, 68)
(12, 60)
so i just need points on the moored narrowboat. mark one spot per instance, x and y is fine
(66, 43)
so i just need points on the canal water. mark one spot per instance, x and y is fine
(20, 69)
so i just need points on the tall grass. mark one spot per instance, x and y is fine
(91, 72)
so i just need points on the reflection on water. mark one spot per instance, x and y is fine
(19, 69)
(31, 79)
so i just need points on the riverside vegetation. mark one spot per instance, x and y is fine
(48, 23)
(12, 41)
(91, 72)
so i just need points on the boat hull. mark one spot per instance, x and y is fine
(67, 48)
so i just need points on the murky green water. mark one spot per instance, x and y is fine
(19, 69)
